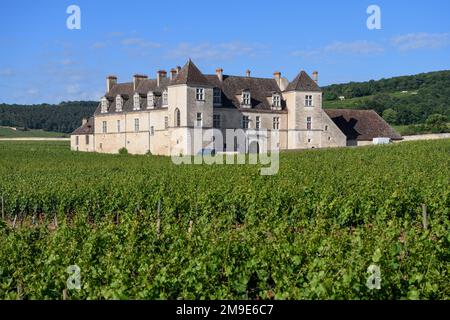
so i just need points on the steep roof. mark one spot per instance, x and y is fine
(260, 90)
(362, 124)
(87, 128)
(190, 75)
(303, 82)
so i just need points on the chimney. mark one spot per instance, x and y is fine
(219, 73)
(316, 76)
(248, 72)
(137, 78)
(159, 76)
(277, 77)
(84, 121)
(173, 73)
(110, 82)
(178, 69)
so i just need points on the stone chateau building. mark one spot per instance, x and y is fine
(159, 115)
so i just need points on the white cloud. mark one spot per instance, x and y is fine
(140, 43)
(359, 47)
(6, 72)
(99, 45)
(218, 51)
(73, 89)
(32, 91)
(422, 40)
(67, 62)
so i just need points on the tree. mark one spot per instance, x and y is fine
(390, 115)
(436, 120)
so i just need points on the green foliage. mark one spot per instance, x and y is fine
(390, 116)
(64, 117)
(123, 150)
(414, 98)
(309, 232)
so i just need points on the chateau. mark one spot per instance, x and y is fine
(160, 115)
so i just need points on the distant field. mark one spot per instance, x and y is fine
(354, 103)
(6, 132)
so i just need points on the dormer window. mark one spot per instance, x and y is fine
(276, 101)
(217, 96)
(200, 94)
(105, 105)
(308, 101)
(119, 103)
(150, 100)
(165, 98)
(246, 98)
(136, 101)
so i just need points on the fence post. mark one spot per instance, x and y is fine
(3, 208)
(64, 294)
(14, 222)
(424, 216)
(158, 220)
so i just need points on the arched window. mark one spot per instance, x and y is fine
(177, 118)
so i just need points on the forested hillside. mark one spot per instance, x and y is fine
(64, 117)
(401, 100)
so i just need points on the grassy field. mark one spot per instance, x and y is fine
(140, 227)
(355, 103)
(10, 133)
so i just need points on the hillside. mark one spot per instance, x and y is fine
(7, 132)
(64, 117)
(412, 99)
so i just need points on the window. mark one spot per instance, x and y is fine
(199, 120)
(245, 121)
(136, 101)
(276, 101)
(165, 98)
(216, 121)
(118, 126)
(105, 104)
(104, 128)
(118, 103)
(77, 140)
(87, 139)
(166, 122)
(276, 123)
(152, 130)
(308, 123)
(326, 128)
(200, 94)
(217, 97)
(308, 101)
(258, 122)
(177, 117)
(136, 125)
(150, 100)
(246, 98)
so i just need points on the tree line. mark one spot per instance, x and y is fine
(64, 117)
(408, 99)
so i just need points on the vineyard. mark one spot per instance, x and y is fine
(140, 227)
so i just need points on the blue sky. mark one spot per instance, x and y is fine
(43, 61)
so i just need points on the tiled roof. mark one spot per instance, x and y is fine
(261, 90)
(87, 128)
(362, 124)
(190, 75)
(303, 82)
